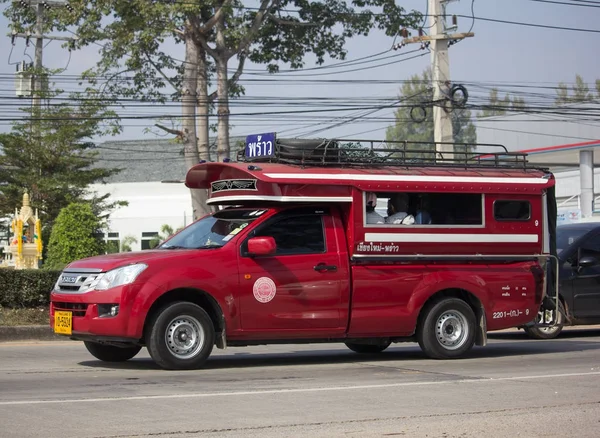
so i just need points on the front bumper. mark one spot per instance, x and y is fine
(86, 321)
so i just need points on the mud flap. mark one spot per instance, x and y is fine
(481, 335)
(221, 340)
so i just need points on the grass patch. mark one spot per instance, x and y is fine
(14, 317)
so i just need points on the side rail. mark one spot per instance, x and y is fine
(360, 152)
(548, 314)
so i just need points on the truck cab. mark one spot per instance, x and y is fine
(294, 254)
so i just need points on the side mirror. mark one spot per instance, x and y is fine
(261, 246)
(587, 261)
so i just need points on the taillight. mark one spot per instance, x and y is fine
(538, 277)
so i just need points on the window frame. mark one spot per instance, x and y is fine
(511, 200)
(146, 238)
(302, 212)
(421, 226)
(111, 236)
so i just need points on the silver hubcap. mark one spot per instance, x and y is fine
(452, 329)
(184, 337)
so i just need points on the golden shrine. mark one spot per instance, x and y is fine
(25, 249)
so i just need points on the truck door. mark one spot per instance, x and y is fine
(586, 280)
(303, 289)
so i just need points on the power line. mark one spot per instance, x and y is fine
(567, 4)
(472, 15)
(544, 26)
(534, 133)
(362, 115)
(358, 61)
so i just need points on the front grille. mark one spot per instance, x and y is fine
(78, 309)
(78, 281)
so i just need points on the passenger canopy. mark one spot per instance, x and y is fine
(244, 182)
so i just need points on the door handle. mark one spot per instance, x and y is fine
(322, 267)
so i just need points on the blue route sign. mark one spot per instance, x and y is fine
(260, 145)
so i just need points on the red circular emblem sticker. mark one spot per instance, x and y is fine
(264, 290)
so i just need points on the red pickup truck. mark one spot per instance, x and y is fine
(299, 251)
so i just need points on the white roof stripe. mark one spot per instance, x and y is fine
(242, 198)
(408, 178)
(450, 238)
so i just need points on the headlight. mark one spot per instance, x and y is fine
(120, 276)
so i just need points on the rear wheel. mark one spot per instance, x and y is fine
(111, 353)
(447, 329)
(368, 348)
(547, 332)
(181, 336)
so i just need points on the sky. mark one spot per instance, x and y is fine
(499, 55)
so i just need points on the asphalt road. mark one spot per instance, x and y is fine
(514, 387)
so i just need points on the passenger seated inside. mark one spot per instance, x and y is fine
(422, 216)
(372, 216)
(398, 210)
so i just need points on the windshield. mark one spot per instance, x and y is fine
(213, 231)
(565, 237)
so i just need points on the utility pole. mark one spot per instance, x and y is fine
(440, 76)
(40, 7)
(38, 61)
(440, 71)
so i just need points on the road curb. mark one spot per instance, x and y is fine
(28, 333)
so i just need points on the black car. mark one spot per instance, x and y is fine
(578, 247)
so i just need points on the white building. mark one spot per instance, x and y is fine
(151, 203)
(151, 182)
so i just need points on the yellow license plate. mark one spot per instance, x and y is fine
(63, 322)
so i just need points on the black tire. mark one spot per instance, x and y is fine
(181, 336)
(447, 329)
(311, 150)
(301, 143)
(547, 332)
(111, 353)
(368, 348)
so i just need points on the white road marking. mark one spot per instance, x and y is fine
(292, 390)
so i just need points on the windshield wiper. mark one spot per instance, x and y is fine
(209, 246)
(172, 247)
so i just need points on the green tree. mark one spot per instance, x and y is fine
(75, 235)
(518, 104)
(137, 37)
(562, 94)
(127, 242)
(580, 92)
(166, 231)
(498, 107)
(51, 157)
(417, 93)
(495, 106)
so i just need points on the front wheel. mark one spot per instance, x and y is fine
(111, 353)
(447, 329)
(181, 336)
(547, 332)
(368, 348)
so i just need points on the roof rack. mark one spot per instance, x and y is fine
(347, 152)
